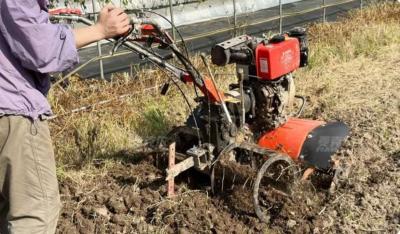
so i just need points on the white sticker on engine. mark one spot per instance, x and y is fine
(264, 65)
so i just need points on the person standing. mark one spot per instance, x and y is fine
(30, 48)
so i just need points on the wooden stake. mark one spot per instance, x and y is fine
(171, 163)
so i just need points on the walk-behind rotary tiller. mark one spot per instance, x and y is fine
(249, 134)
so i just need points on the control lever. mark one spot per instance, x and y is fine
(223, 104)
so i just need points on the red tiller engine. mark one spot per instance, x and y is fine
(269, 96)
(268, 65)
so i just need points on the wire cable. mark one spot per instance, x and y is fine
(173, 28)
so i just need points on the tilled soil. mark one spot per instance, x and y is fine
(131, 198)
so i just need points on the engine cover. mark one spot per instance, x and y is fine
(274, 60)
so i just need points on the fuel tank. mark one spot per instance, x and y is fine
(274, 60)
(311, 141)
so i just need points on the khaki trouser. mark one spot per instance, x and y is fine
(29, 197)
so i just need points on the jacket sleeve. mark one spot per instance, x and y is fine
(39, 45)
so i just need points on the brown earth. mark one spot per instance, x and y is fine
(131, 198)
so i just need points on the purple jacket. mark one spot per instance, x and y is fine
(30, 47)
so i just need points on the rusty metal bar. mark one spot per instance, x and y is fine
(171, 164)
(179, 168)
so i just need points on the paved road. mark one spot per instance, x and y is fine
(199, 41)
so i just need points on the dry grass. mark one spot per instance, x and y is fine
(363, 93)
(361, 33)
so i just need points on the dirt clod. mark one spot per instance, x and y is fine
(291, 223)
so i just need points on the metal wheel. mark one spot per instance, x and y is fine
(276, 175)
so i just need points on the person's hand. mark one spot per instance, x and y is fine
(112, 22)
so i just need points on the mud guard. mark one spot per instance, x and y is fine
(322, 143)
(312, 141)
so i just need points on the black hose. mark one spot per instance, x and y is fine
(302, 105)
